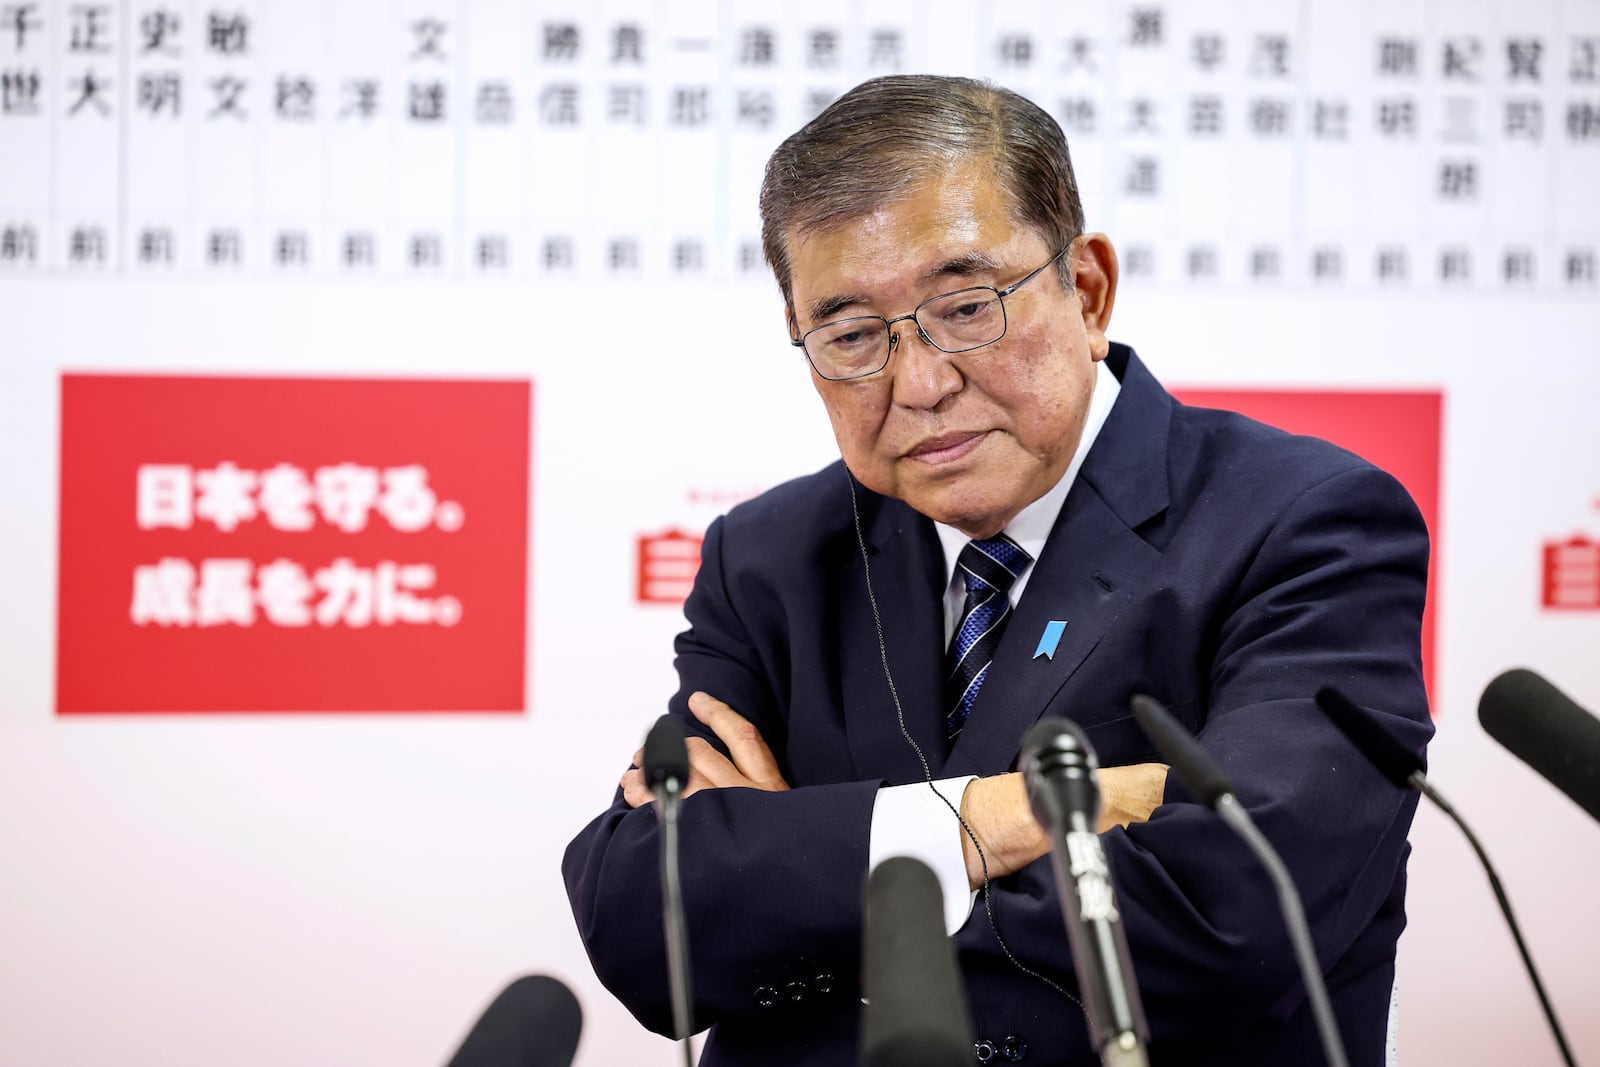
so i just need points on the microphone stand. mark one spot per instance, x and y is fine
(1419, 781)
(671, 797)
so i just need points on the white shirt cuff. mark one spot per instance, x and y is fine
(908, 820)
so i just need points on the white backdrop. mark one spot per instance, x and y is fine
(260, 890)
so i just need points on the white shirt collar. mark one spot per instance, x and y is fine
(1031, 527)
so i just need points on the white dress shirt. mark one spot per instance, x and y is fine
(911, 820)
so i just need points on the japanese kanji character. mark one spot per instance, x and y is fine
(1461, 56)
(163, 593)
(225, 594)
(427, 251)
(1524, 119)
(494, 252)
(164, 496)
(21, 20)
(427, 101)
(90, 91)
(1397, 56)
(293, 248)
(295, 98)
(1392, 264)
(224, 246)
(1205, 115)
(228, 90)
(1143, 177)
(227, 34)
(19, 92)
(1015, 50)
(88, 24)
(1583, 120)
(757, 47)
(560, 41)
(345, 494)
(1327, 264)
(493, 105)
(19, 244)
(429, 34)
(360, 249)
(822, 49)
(1523, 55)
(1458, 180)
(688, 255)
(160, 92)
(156, 29)
(755, 107)
(347, 594)
(1077, 115)
(86, 244)
(623, 254)
(360, 98)
(559, 253)
(1207, 51)
(691, 105)
(627, 44)
(883, 49)
(1330, 119)
(226, 495)
(558, 104)
(1270, 58)
(625, 103)
(154, 246)
(1144, 26)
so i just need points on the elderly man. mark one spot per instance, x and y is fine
(1023, 523)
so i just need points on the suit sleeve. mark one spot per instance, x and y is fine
(773, 882)
(1333, 594)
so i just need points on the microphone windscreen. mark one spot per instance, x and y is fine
(1193, 765)
(1059, 770)
(916, 1012)
(534, 1022)
(1383, 750)
(666, 753)
(1548, 731)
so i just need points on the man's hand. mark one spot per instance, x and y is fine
(997, 809)
(752, 765)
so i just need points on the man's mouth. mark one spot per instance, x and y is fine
(946, 447)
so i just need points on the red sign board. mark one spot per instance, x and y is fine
(1398, 431)
(279, 544)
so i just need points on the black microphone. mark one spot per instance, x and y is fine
(1059, 766)
(1202, 777)
(666, 771)
(1403, 767)
(534, 1022)
(916, 1012)
(1547, 730)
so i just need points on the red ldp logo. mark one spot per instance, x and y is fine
(276, 544)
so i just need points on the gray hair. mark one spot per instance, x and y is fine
(876, 142)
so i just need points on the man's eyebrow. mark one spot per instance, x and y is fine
(961, 266)
(826, 308)
(973, 262)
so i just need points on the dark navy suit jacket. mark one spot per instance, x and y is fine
(1222, 566)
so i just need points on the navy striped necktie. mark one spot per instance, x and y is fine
(989, 568)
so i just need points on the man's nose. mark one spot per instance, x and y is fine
(923, 375)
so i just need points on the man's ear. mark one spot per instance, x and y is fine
(1094, 275)
(790, 322)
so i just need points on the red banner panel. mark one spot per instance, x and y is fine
(292, 545)
(1398, 431)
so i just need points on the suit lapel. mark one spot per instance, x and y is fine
(907, 581)
(1088, 570)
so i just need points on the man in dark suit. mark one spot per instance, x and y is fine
(849, 653)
